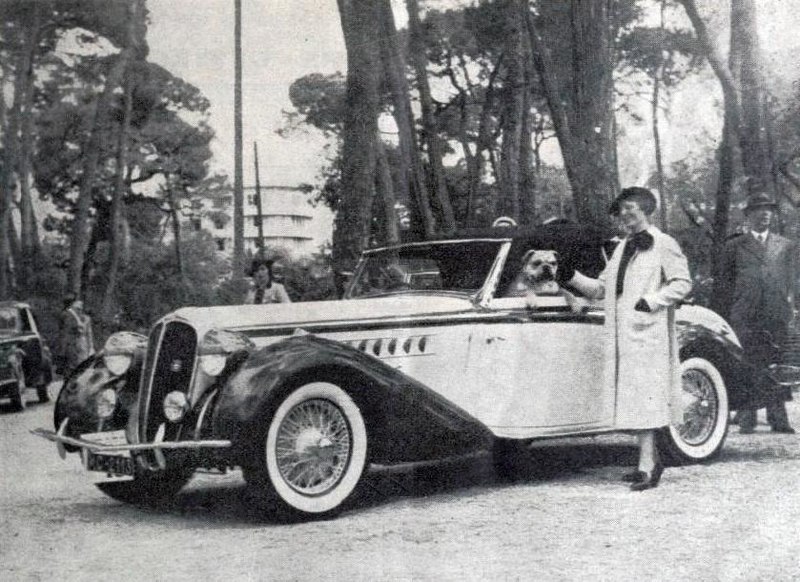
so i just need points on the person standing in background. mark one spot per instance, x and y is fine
(265, 288)
(760, 275)
(76, 338)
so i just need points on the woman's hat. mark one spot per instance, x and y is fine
(760, 200)
(646, 199)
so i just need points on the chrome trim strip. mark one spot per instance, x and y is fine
(500, 239)
(97, 447)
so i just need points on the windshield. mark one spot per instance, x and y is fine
(460, 267)
(8, 320)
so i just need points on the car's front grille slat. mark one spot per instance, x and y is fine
(169, 367)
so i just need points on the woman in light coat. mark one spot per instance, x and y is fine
(645, 278)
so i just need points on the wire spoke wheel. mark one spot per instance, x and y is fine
(313, 446)
(315, 450)
(699, 431)
(700, 407)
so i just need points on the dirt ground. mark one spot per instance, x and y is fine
(571, 519)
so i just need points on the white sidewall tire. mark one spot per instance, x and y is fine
(336, 496)
(712, 445)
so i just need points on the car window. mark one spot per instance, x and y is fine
(461, 267)
(25, 321)
(8, 321)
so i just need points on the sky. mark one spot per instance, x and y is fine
(282, 40)
(286, 39)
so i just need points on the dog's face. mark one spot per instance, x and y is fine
(539, 269)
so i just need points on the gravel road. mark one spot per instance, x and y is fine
(572, 519)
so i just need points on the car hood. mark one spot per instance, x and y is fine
(320, 312)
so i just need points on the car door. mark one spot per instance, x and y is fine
(542, 369)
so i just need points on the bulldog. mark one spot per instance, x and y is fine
(538, 278)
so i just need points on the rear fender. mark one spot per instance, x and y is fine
(696, 340)
(406, 421)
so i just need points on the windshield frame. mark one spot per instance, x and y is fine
(480, 296)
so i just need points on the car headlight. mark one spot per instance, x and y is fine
(105, 403)
(118, 364)
(119, 351)
(213, 364)
(217, 345)
(175, 406)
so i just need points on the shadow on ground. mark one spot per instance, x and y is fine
(232, 501)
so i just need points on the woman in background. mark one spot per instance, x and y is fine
(265, 289)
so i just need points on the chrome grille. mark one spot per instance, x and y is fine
(169, 366)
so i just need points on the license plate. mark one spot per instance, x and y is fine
(109, 464)
(116, 463)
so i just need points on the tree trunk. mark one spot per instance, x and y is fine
(385, 188)
(29, 236)
(435, 147)
(117, 204)
(655, 103)
(9, 162)
(411, 173)
(513, 110)
(753, 141)
(238, 184)
(91, 154)
(353, 218)
(579, 93)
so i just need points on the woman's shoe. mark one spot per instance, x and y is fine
(634, 477)
(651, 479)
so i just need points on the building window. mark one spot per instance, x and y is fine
(251, 199)
(196, 224)
(220, 244)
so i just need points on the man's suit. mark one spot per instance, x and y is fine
(760, 298)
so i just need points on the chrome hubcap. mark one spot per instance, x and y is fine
(700, 407)
(313, 446)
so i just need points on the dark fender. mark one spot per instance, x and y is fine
(747, 385)
(76, 397)
(406, 421)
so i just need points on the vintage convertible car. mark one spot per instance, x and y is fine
(25, 360)
(430, 354)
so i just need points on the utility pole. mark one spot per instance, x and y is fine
(238, 186)
(260, 220)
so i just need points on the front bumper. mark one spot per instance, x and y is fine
(157, 446)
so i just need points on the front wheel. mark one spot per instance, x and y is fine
(314, 451)
(148, 487)
(704, 403)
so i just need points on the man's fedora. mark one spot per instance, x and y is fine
(760, 200)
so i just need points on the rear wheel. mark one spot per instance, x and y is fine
(18, 394)
(41, 386)
(704, 403)
(313, 453)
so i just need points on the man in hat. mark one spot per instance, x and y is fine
(760, 274)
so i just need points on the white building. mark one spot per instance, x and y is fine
(289, 221)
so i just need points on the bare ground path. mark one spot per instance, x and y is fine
(572, 519)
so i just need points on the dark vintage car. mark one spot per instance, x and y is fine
(25, 360)
(430, 354)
